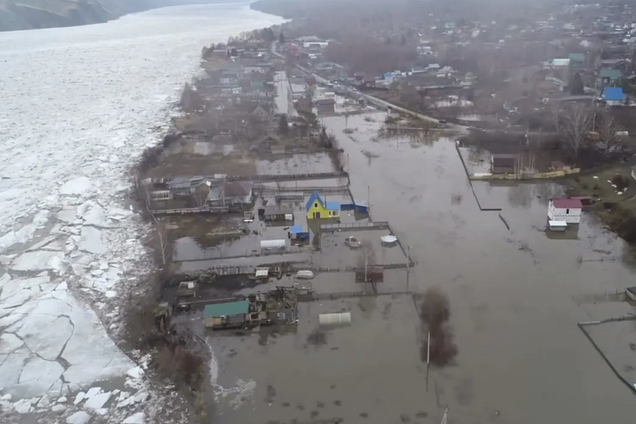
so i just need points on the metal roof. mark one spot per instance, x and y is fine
(295, 229)
(613, 93)
(227, 309)
(567, 203)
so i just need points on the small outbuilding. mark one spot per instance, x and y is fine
(277, 213)
(567, 210)
(226, 315)
(504, 163)
(296, 232)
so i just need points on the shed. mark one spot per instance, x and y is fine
(225, 315)
(278, 213)
(568, 210)
(238, 192)
(277, 244)
(609, 75)
(504, 163)
(282, 316)
(631, 292)
(372, 274)
(296, 232)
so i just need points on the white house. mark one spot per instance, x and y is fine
(567, 210)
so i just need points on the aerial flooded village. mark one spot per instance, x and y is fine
(335, 186)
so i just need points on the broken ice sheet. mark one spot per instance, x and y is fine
(91, 241)
(38, 260)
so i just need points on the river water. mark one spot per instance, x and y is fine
(79, 106)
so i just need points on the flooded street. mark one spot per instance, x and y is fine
(515, 299)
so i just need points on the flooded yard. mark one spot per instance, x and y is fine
(514, 301)
(296, 164)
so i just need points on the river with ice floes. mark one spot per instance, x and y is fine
(79, 107)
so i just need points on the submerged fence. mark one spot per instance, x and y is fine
(582, 325)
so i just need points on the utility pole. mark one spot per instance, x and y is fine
(408, 267)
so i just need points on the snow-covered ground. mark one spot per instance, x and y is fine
(79, 105)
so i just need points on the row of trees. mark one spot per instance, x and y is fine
(573, 123)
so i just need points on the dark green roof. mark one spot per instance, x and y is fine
(611, 73)
(227, 309)
(577, 57)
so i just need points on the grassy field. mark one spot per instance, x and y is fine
(602, 185)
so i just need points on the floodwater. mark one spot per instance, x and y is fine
(515, 299)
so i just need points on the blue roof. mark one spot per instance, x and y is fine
(226, 309)
(315, 197)
(613, 94)
(332, 206)
(295, 229)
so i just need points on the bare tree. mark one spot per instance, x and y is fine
(162, 240)
(200, 195)
(574, 123)
(608, 130)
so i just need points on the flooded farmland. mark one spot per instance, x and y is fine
(515, 296)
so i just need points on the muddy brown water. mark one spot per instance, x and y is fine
(515, 298)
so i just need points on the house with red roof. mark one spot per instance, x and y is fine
(566, 210)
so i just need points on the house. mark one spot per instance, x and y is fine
(613, 96)
(297, 90)
(317, 209)
(226, 315)
(265, 143)
(304, 105)
(610, 76)
(261, 113)
(504, 163)
(238, 192)
(567, 210)
(325, 105)
(184, 186)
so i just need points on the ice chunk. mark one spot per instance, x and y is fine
(68, 214)
(58, 408)
(63, 399)
(9, 343)
(9, 320)
(79, 397)
(76, 186)
(93, 391)
(97, 401)
(91, 241)
(138, 418)
(37, 377)
(96, 217)
(38, 260)
(135, 373)
(23, 406)
(80, 417)
(46, 335)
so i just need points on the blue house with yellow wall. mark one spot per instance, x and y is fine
(319, 209)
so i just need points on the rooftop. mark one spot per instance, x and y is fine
(613, 94)
(227, 309)
(567, 203)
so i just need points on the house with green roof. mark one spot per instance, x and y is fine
(609, 76)
(226, 314)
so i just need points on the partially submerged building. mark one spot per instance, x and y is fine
(279, 306)
(566, 210)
